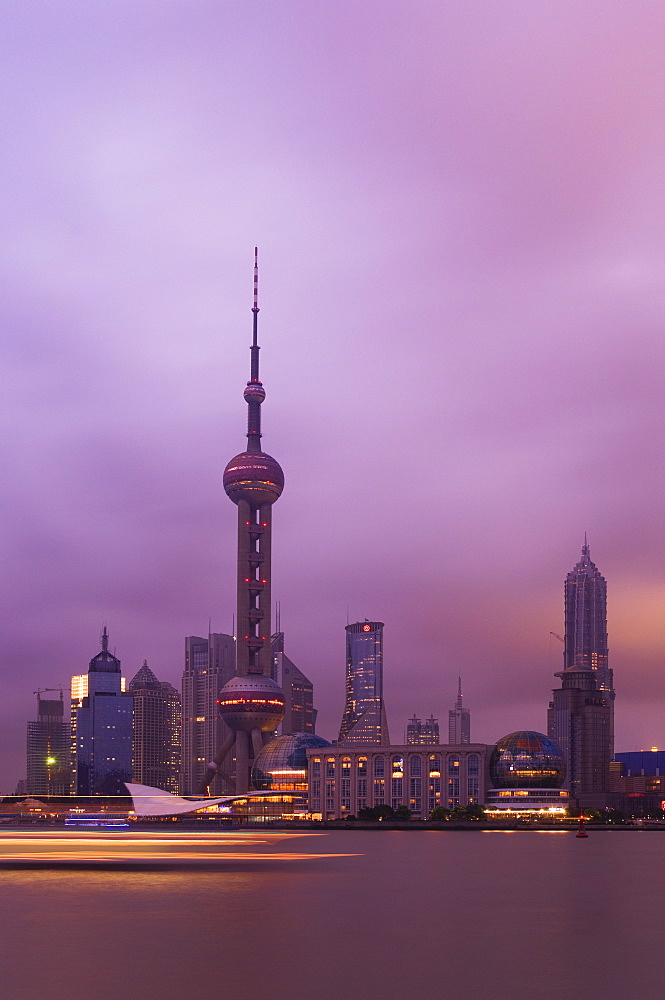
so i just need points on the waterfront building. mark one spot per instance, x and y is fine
(157, 731)
(104, 729)
(459, 720)
(527, 772)
(418, 731)
(364, 720)
(641, 762)
(344, 779)
(48, 749)
(209, 664)
(251, 703)
(281, 770)
(299, 711)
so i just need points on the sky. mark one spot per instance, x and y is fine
(460, 217)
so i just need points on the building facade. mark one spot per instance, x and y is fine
(459, 720)
(209, 663)
(104, 729)
(299, 711)
(157, 724)
(342, 780)
(48, 749)
(364, 720)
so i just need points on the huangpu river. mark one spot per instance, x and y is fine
(348, 914)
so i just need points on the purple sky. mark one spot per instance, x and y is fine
(460, 215)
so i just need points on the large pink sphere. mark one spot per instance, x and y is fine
(255, 477)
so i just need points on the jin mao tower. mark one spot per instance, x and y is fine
(581, 713)
(251, 703)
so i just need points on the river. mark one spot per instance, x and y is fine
(349, 914)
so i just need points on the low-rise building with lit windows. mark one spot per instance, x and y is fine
(343, 780)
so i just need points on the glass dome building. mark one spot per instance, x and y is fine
(527, 770)
(527, 760)
(282, 764)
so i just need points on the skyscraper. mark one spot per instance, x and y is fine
(157, 731)
(581, 714)
(78, 691)
(299, 711)
(585, 636)
(459, 720)
(209, 664)
(251, 703)
(49, 771)
(364, 719)
(104, 729)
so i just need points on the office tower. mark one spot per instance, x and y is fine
(49, 769)
(459, 720)
(299, 711)
(104, 729)
(580, 718)
(251, 703)
(418, 731)
(78, 690)
(585, 635)
(209, 664)
(364, 719)
(157, 731)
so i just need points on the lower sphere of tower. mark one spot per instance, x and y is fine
(255, 477)
(251, 702)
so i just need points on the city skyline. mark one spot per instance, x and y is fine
(460, 241)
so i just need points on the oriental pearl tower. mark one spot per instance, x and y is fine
(251, 703)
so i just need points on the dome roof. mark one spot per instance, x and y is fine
(527, 760)
(255, 477)
(283, 762)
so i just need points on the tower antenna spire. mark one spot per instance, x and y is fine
(255, 324)
(254, 391)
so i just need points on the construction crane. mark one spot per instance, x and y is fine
(38, 692)
(559, 637)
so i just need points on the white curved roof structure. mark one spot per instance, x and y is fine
(150, 801)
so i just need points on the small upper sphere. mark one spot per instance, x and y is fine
(255, 477)
(254, 392)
